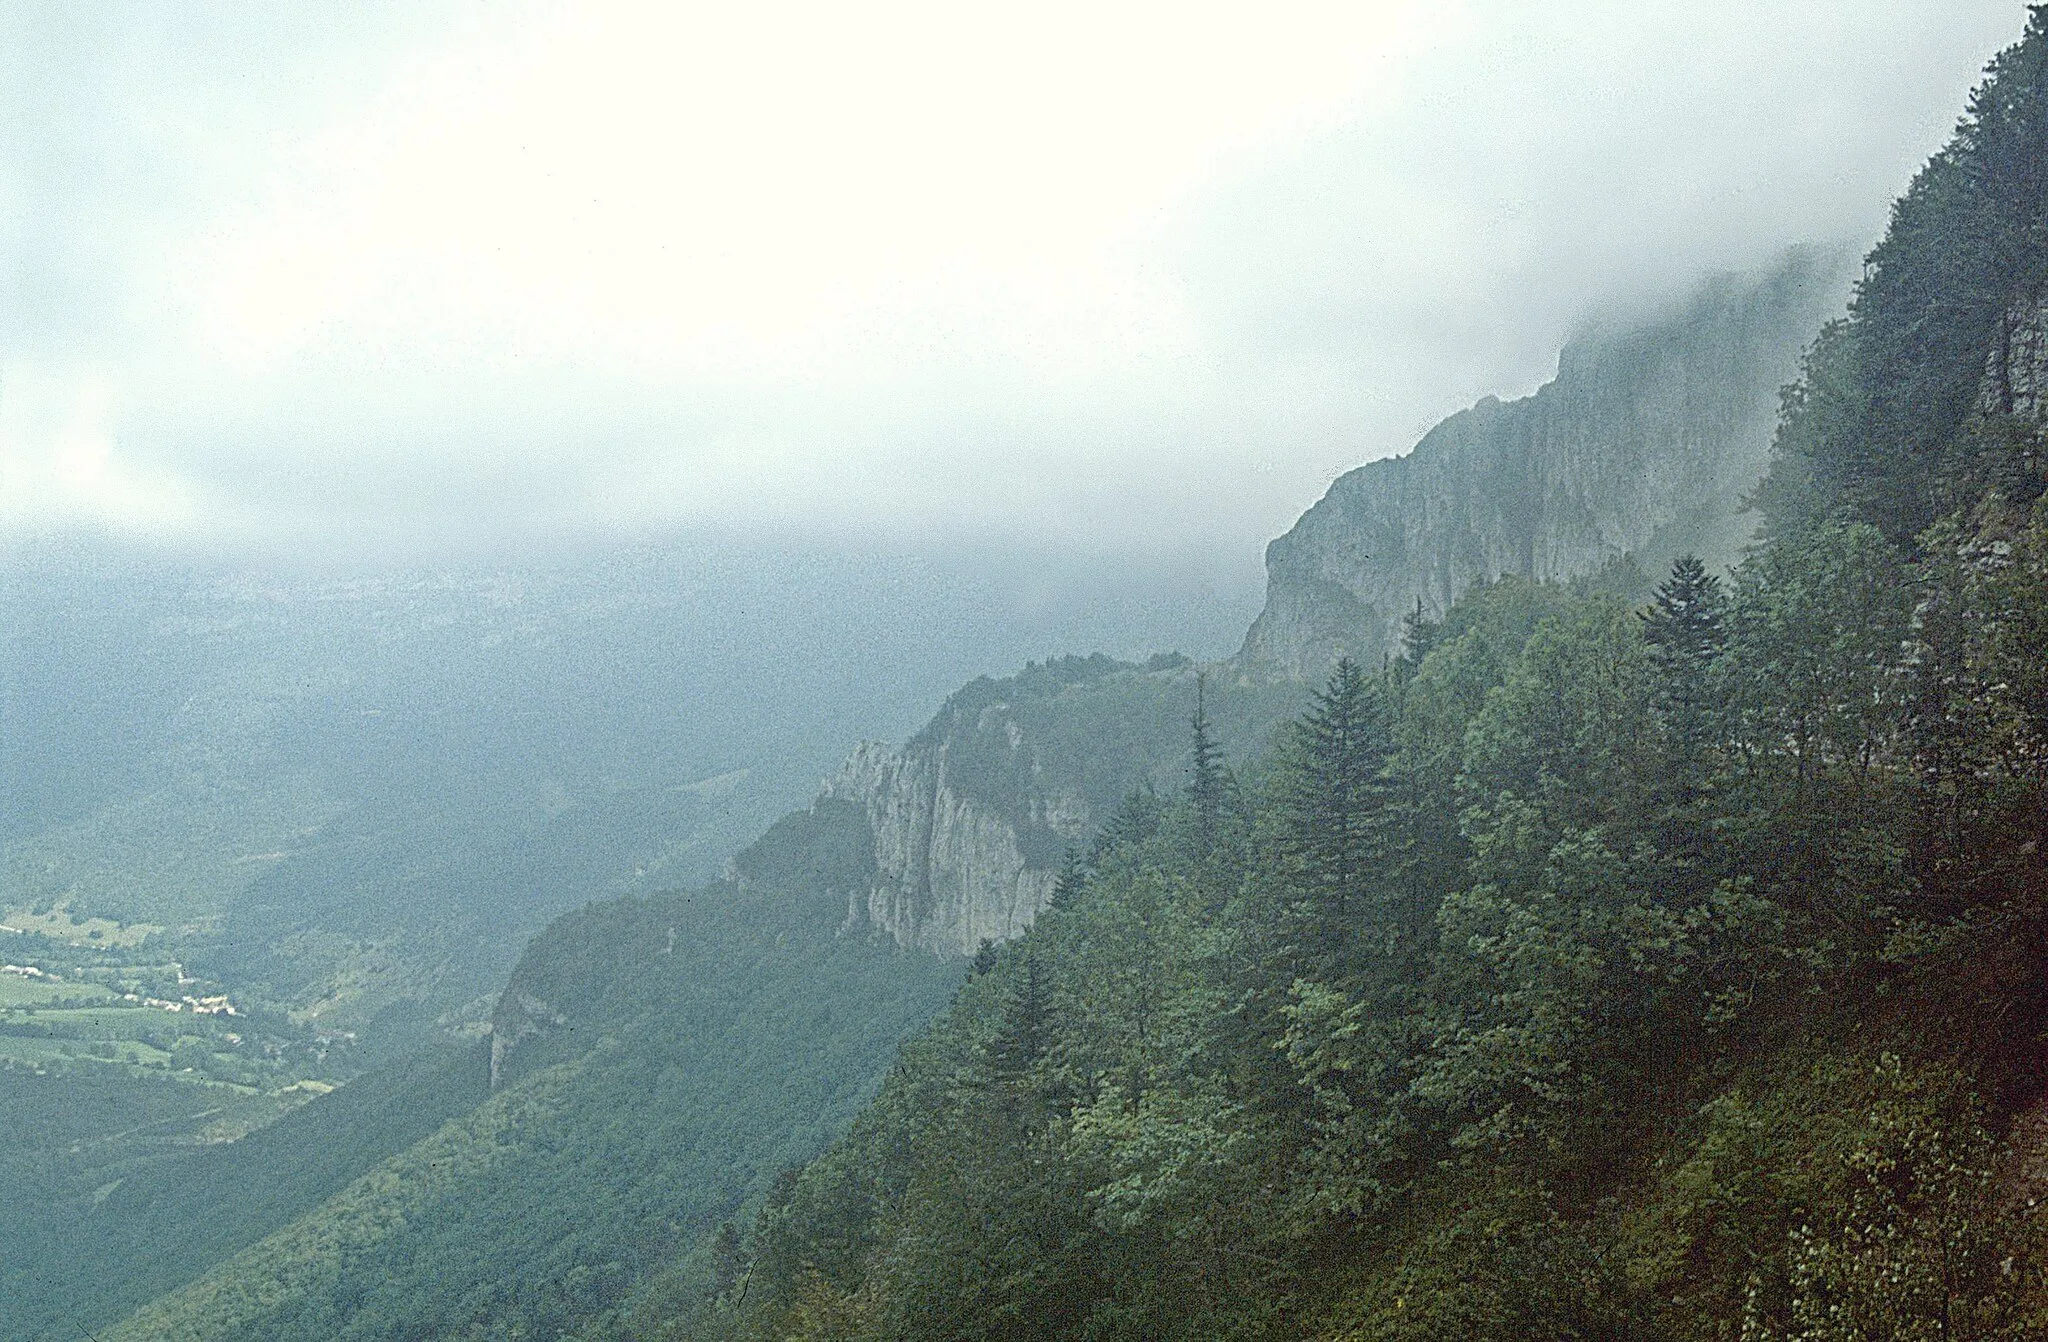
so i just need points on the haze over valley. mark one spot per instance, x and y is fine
(1357, 672)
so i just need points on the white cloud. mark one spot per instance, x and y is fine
(59, 467)
(1109, 270)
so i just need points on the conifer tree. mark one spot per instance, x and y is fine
(1419, 634)
(984, 960)
(1685, 627)
(1026, 1021)
(1207, 786)
(1136, 820)
(1073, 875)
(1334, 788)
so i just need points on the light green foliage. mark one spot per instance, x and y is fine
(1928, 1238)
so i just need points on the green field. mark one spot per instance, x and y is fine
(56, 922)
(16, 991)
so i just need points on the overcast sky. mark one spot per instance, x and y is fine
(292, 275)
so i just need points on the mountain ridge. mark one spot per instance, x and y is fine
(1674, 414)
(1643, 445)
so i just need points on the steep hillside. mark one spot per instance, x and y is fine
(654, 1060)
(659, 1060)
(1570, 971)
(969, 821)
(1667, 971)
(1644, 445)
(343, 807)
(111, 1231)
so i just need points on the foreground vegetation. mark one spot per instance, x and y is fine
(691, 1045)
(1593, 970)
(1617, 962)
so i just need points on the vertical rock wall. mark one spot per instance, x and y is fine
(1644, 445)
(950, 871)
(2016, 369)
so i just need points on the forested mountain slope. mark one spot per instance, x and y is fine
(1597, 966)
(681, 1050)
(155, 1224)
(342, 805)
(1591, 970)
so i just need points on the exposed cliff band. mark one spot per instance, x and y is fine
(1644, 445)
(949, 871)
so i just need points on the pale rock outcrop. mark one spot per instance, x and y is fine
(2015, 378)
(950, 870)
(1644, 445)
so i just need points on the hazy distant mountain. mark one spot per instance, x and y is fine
(361, 795)
(359, 799)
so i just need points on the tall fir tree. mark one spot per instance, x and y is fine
(1066, 888)
(1334, 789)
(1207, 785)
(1686, 629)
(1026, 1021)
(1419, 634)
(1135, 821)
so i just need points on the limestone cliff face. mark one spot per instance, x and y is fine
(958, 836)
(1644, 445)
(2015, 378)
(949, 869)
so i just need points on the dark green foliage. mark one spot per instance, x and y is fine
(1419, 635)
(1207, 786)
(95, 1252)
(1133, 822)
(815, 854)
(1073, 873)
(1686, 629)
(1333, 792)
(1882, 411)
(728, 1264)
(1488, 1035)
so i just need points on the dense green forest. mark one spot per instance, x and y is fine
(146, 1222)
(1598, 968)
(1640, 957)
(688, 1046)
(657, 1060)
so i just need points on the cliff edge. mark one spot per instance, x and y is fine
(1644, 445)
